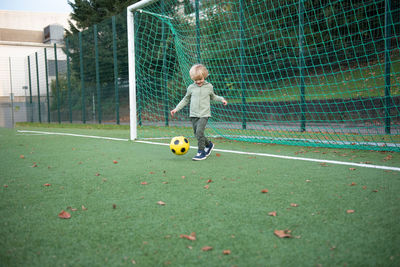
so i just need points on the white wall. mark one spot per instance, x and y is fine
(18, 51)
(35, 21)
(19, 67)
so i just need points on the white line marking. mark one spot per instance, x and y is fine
(76, 135)
(293, 158)
(232, 151)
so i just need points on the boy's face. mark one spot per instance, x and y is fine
(199, 81)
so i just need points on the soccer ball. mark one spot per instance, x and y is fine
(179, 145)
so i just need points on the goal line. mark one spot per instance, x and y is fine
(335, 162)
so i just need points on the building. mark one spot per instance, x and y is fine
(24, 34)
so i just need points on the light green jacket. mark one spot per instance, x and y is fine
(199, 98)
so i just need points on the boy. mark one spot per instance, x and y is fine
(199, 95)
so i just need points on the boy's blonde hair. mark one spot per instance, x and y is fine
(198, 71)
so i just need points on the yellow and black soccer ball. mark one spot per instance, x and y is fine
(179, 145)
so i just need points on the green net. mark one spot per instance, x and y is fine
(87, 77)
(310, 73)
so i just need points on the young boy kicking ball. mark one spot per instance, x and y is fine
(199, 95)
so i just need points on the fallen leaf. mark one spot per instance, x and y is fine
(22, 156)
(389, 157)
(226, 252)
(350, 211)
(192, 236)
(115, 162)
(272, 213)
(46, 184)
(218, 155)
(308, 181)
(183, 177)
(143, 183)
(114, 206)
(207, 248)
(206, 186)
(364, 187)
(64, 215)
(264, 191)
(352, 169)
(97, 174)
(353, 184)
(294, 204)
(84, 208)
(283, 233)
(34, 165)
(323, 164)
(209, 181)
(161, 203)
(5, 186)
(375, 190)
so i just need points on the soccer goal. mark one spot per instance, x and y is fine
(310, 73)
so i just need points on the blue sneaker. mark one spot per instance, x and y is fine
(201, 155)
(208, 149)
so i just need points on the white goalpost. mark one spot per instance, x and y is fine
(131, 59)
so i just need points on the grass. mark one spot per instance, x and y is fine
(123, 223)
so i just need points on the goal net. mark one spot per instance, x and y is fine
(310, 73)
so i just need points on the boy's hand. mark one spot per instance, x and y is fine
(173, 112)
(224, 102)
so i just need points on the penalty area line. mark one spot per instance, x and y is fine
(228, 151)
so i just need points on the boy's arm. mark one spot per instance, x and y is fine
(215, 97)
(185, 100)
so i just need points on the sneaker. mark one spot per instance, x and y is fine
(208, 149)
(201, 155)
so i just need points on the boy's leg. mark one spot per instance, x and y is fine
(199, 126)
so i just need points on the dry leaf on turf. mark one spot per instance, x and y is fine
(64, 215)
(22, 156)
(353, 184)
(226, 252)
(143, 183)
(272, 213)
(84, 208)
(283, 233)
(161, 203)
(389, 157)
(294, 204)
(115, 162)
(209, 181)
(192, 236)
(206, 186)
(218, 155)
(207, 248)
(350, 211)
(46, 184)
(264, 191)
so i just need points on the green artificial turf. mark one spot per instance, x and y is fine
(219, 199)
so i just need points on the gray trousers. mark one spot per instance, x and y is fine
(199, 126)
